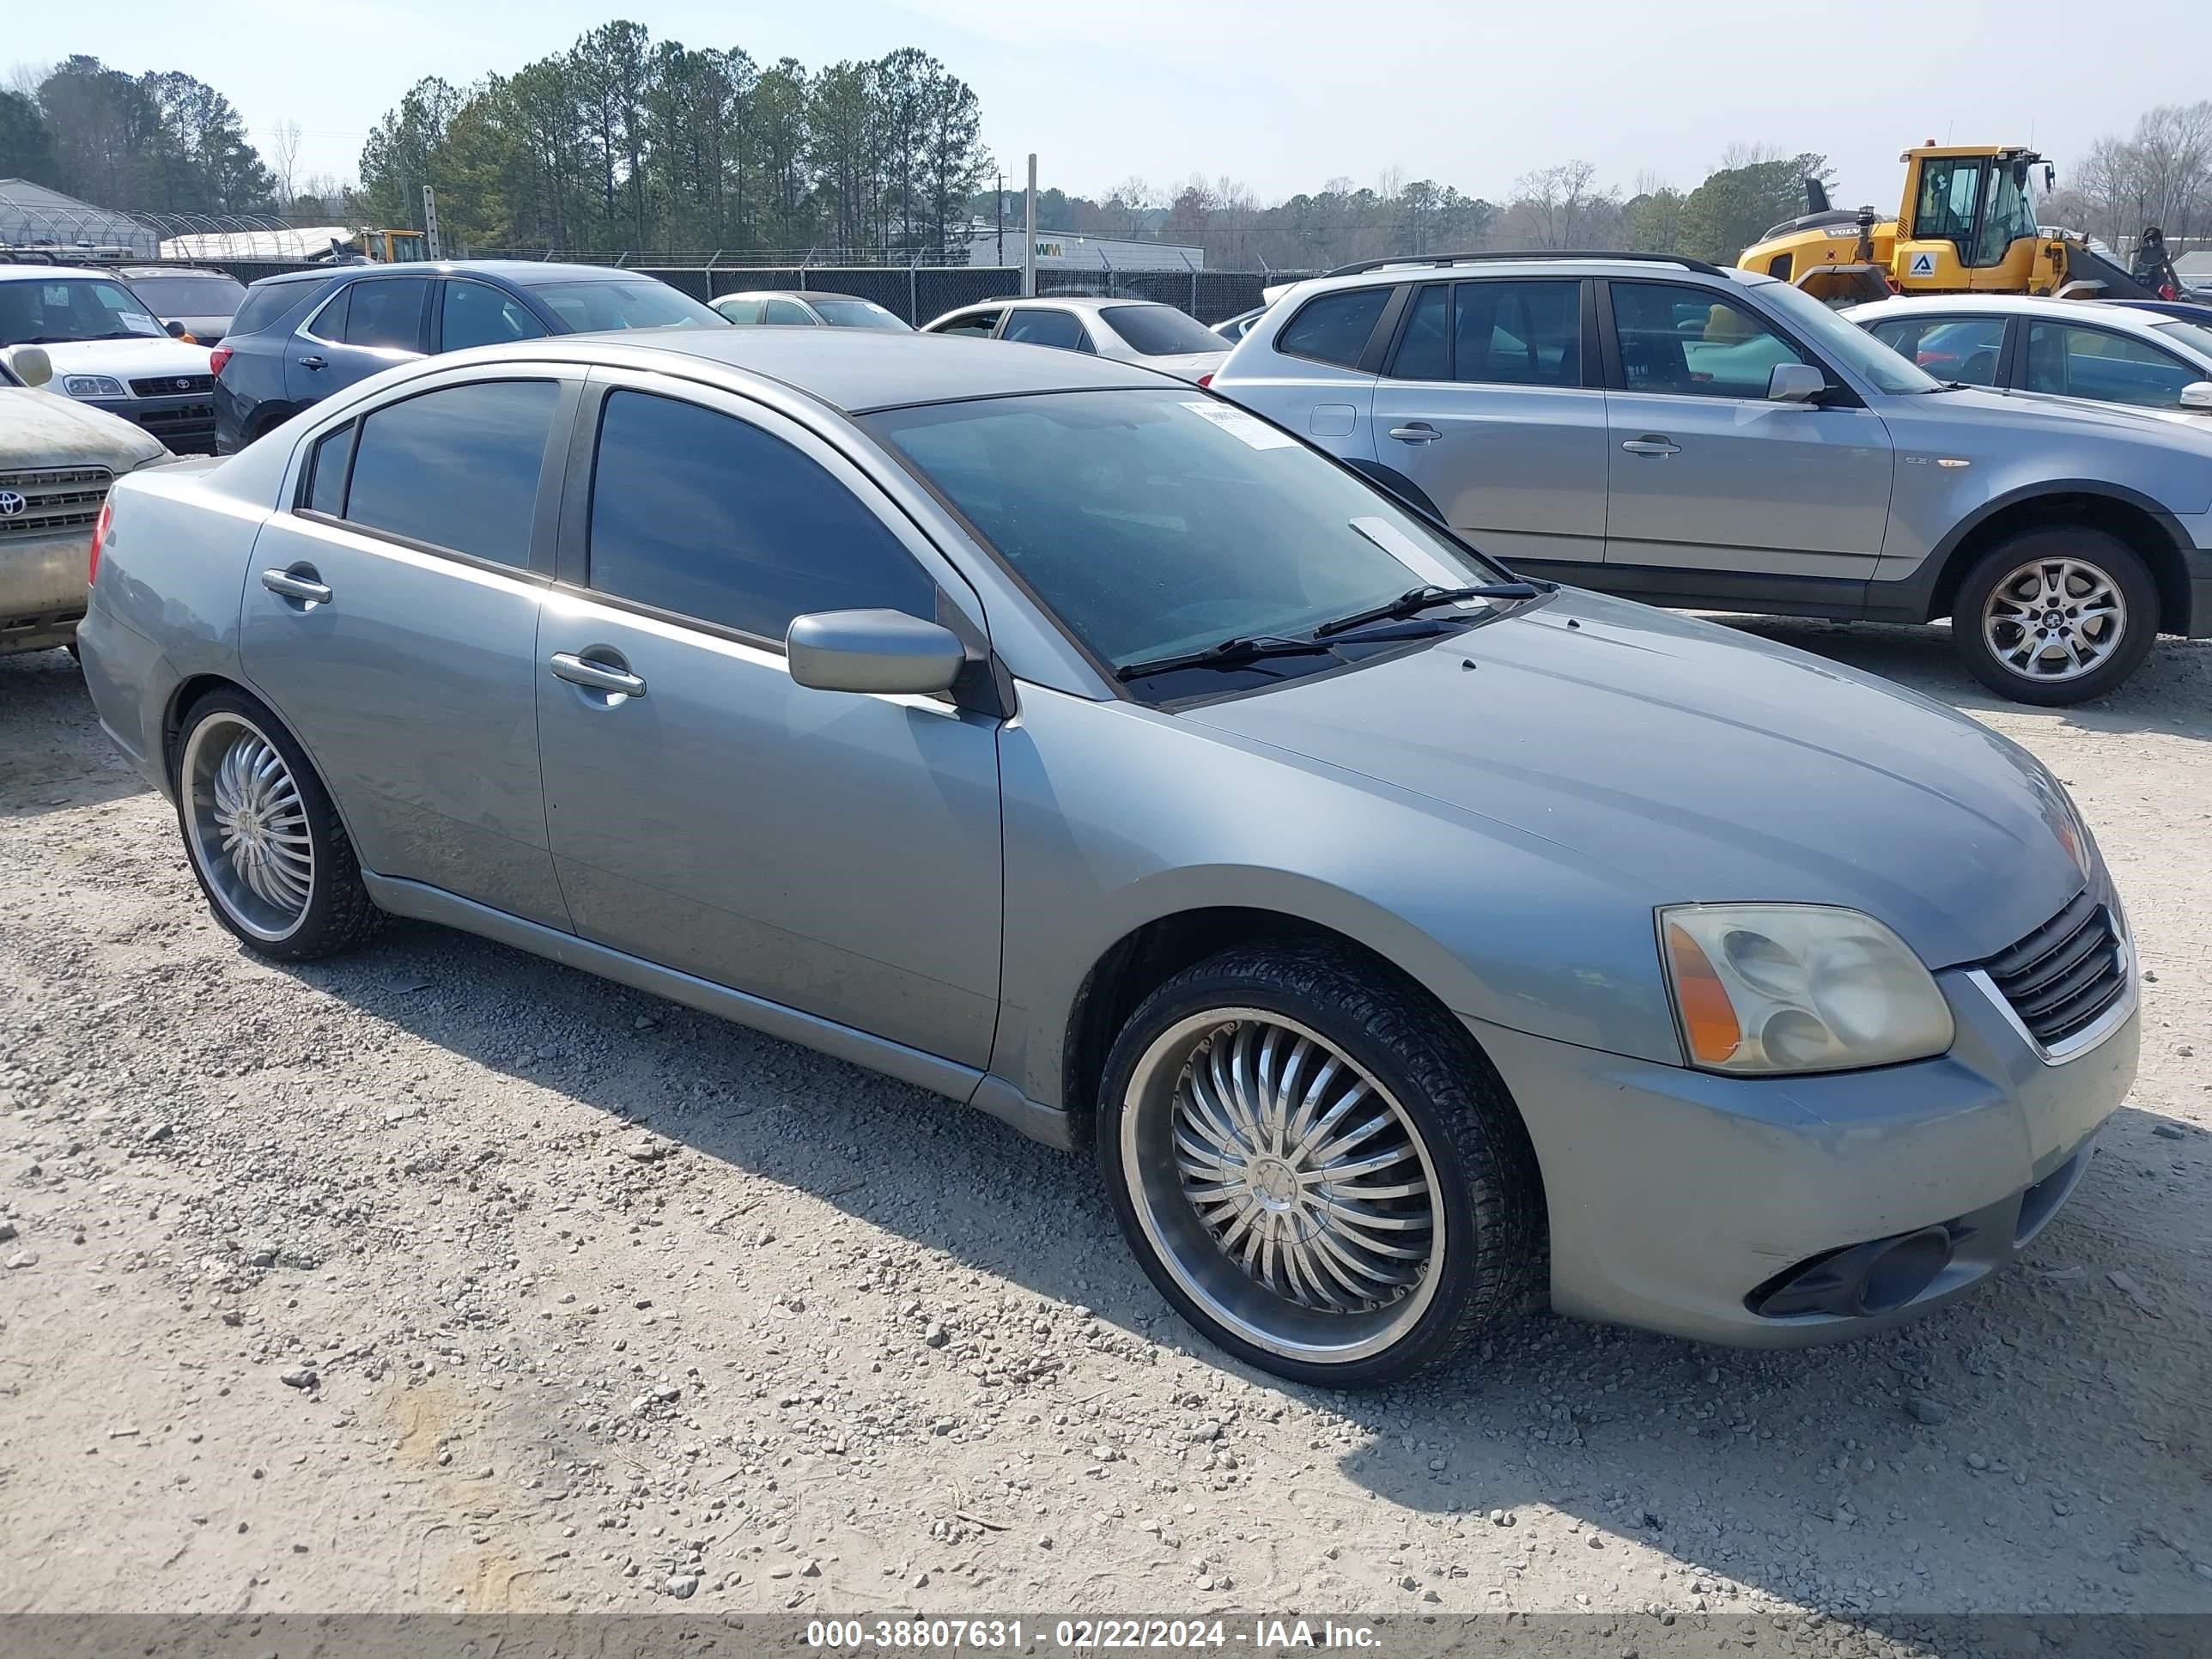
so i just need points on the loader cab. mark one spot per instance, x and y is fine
(1969, 218)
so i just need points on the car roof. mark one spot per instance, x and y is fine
(522, 272)
(789, 293)
(46, 273)
(172, 270)
(1416, 269)
(852, 370)
(2002, 305)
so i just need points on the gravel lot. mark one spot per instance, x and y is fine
(439, 1277)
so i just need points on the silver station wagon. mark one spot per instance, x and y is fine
(1412, 942)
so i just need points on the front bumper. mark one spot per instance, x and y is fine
(185, 424)
(1675, 1195)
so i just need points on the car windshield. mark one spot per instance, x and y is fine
(587, 306)
(1160, 330)
(1152, 523)
(860, 314)
(46, 311)
(1839, 339)
(2195, 337)
(194, 295)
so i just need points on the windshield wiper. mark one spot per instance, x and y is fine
(1232, 653)
(1414, 600)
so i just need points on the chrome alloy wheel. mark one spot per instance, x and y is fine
(1282, 1186)
(2055, 619)
(248, 825)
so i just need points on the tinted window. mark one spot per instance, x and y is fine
(1520, 333)
(1060, 329)
(2112, 368)
(634, 302)
(860, 313)
(269, 304)
(387, 311)
(1335, 327)
(477, 314)
(330, 322)
(1964, 348)
(1684, 341)
(326, 487)
(457, 468)
(788, 313)
(740, 311)
(699, 513)
(1160, 330)
(1425, 353)
(973, 322)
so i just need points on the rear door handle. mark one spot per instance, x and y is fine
(1652, 444)
(1415, 432)
(313, 362)
(597, 677)
(300, 583)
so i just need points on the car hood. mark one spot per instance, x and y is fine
(1705, 763)
(40, 429)
(127, 359)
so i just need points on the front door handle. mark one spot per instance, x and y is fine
(597, 677)
(1415, 432)
(1652, 444)
(299, 583)
(313, 362)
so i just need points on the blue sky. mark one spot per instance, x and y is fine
(1281, 96)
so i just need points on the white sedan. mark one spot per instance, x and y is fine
(1131, 330)
(2147, 360)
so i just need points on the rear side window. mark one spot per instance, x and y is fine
(788, 313)
(456, 468)
(264, 307)
(1334, 328)
(697, 513)
(387, 311)
(1425, 353)
(1160, 330)
(327, 472)
(1058, 329)
(1518, 333)
(330, 322)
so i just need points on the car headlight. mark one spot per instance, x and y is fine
(92, 385)
(1797, 987)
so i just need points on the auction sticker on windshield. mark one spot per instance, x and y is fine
(1254, 431)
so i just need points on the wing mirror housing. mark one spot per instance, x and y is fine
(2197, 397)
(880, 650)
(31, 365)
(1795, 383)
(175, 330)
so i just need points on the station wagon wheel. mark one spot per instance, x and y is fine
(2056, 615)
(1315, 1169)
(262, 835)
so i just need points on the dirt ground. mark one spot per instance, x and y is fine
(442, 1278)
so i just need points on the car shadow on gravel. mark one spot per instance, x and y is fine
(2171, 693)
(53, 755)
(1863, 1477)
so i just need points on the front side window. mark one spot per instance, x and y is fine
(1688, 342)
(386, 312)
(1519, 333)
(456, 468)
(615, 303)
(741, 310)
(53, 311)
(1950, 190)
(1153, 522)
(1334, 328)
(974, 323)
(1844, 342)
(1961, 349)
(2072, 361)
(477, 314)
(1061, 330)
(1154, 330)
(699, 513)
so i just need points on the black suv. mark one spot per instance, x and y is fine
(302, 336)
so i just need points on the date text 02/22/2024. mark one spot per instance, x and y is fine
(928, 1635)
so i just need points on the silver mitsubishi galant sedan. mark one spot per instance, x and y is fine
(1413, 942)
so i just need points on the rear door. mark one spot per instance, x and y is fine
(391, 619)
(1715, 492)
(370, 324)
(1490, 404)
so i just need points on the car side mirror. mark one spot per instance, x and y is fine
(174, 330)
(884, 651)
(31, 365)
(1795, 383)
(2196, 396)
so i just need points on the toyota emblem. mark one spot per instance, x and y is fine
(11, 503)
(183, 384)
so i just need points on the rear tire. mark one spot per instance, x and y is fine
(1317, 1169)
(263, 837)
(2056, 615)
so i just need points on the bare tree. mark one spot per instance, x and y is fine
(1562, 207)
(284, 160)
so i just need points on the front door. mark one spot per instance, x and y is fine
(834, 852)
(1707, 476)
(1483, 406)
(391, 617)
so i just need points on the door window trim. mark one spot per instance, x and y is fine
(1840, 393)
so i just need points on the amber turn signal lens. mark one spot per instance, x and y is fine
(1708, 1017)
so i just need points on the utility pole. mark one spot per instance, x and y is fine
(1029, 242)
(1002, 219)
(430, 249)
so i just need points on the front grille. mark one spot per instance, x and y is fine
(55, 500)
(2065, 974)
(174, 386)
(188, 426)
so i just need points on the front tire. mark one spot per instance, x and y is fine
(1317, 1169)
(2056, 615)
(262, 835)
